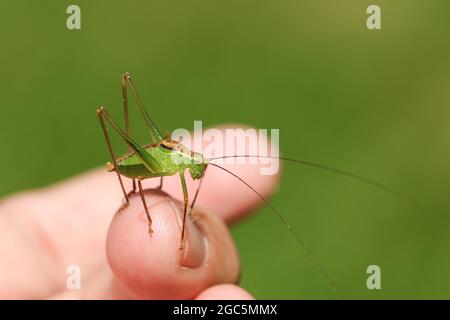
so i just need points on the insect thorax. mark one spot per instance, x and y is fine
(170, 158)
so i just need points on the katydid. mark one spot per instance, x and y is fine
(156, 160)
(151, 161)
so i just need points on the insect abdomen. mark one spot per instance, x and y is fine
(133, 167)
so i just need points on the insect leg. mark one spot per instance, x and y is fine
(191, 208)
(147, 212)
(113, 157)
(160, 183)
(125, 107)
(149, 162)
(186, 200)
(127, 120)
(152, 128)
(133, 187)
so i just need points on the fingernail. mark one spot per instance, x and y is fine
(195, 246)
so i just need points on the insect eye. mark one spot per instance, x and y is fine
(165, 146)
(170, 145)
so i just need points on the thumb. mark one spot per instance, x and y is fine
(152, 266)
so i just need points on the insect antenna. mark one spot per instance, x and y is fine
(284, 221)
(347, 174)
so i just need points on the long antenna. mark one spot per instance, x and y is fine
(296, 235)
(369, 181)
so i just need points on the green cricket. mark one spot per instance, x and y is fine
(155, 160)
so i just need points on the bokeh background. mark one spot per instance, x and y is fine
(376, 103)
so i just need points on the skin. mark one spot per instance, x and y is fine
(76, 222)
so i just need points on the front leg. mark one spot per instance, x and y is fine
(147, 212)
(186, 200)
(160, 183)
(133, 187)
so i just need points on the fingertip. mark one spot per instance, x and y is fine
(153, 267)
(225, 292)
(67, 295)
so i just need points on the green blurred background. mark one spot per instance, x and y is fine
(373, 102)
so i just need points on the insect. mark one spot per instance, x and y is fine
(155, 160)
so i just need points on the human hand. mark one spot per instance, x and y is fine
(45, 231)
